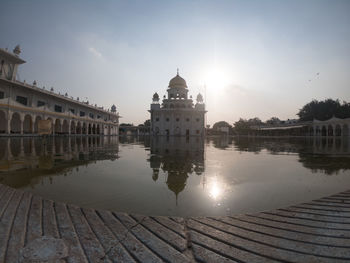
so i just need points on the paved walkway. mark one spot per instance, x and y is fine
(32, 228)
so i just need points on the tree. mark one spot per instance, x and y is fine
(220, 124)
(324, 110)
(273, 120)
(147, 123)
(244, 126)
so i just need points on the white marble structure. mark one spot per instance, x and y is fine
(177, 115)
(22, 106)
(332, 127)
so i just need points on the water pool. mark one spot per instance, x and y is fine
(177, 176)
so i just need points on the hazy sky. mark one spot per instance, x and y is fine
(257, 58)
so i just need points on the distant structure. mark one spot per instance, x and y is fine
(177, 115)
(25, 108)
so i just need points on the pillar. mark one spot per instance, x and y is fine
(8, 126)
(21, 123)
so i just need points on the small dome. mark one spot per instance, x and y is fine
(155, 97)
(113, 108)
(199, 98)
(177, 82)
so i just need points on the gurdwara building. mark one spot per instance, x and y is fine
(24, 106)
(177, 114)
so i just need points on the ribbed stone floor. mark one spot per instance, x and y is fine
(317, 231)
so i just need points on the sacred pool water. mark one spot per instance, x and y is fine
(177, 176)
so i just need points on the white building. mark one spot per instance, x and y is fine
(23, 106)
(177, 115)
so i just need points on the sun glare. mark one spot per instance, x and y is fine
(215, 188)
(216, 79)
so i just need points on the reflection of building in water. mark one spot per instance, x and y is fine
(177, 115)
(222, 142)
(24, 107)
(50, 156)
(329, 155)
(177, 157)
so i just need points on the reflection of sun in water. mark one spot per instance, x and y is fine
(216, 188)
(215, 191)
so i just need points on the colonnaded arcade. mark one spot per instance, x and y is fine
(331, 127)
(23, 106)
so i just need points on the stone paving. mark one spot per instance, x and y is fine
(33, 229)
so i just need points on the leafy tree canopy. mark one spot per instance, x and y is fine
(221, 124)
(324, 110)
(273, 120)
(243, 126)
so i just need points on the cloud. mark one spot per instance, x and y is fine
(95, 52)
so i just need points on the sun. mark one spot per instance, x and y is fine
(216, 79)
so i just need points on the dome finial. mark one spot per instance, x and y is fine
(177, 70)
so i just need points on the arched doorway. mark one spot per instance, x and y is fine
(27, 124)
(36, 124)
(58, 126)
(89, 129)
(16, 123)
(338, 131)
(15, 146)
(330, 130)
(27, 145)
(311, 131)
(78, 128)
(94, 128)
(72, 127)
(65, 127)
(98, 129)
(3, 122)
(346, 131)
(318, 131)
(3, 149)
(324, 131)
(84, 128)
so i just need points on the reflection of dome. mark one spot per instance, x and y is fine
(177, 82)
(155, 174)
(176, 182)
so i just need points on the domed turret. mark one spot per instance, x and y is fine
(113, 108)
(199, 98)
(177, 82)
(155, 98)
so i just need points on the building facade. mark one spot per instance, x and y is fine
(23, 106)
(177, 114)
